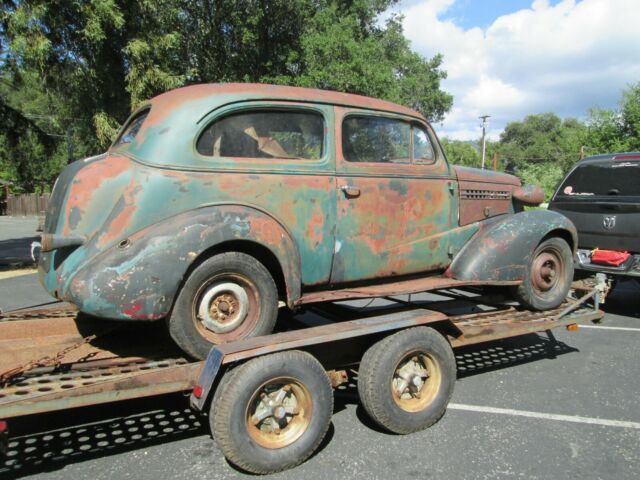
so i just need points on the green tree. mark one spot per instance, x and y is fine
(90, 62)
(616, 130)
(541, 148)
(459, 152)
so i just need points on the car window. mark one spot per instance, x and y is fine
(602, 178)
(132, 129)
(422, 148)
(265, 134)
(376, 139)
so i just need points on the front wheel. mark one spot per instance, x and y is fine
(227, 297)
(548, 277)
(271, 413)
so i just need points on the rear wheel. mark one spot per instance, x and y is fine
(549, 275)
(227, 297)
(406, 380)
(271, 413)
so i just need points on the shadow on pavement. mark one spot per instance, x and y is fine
(623, 299)
(95, 432)
(473, 360)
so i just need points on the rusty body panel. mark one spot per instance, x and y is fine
(504, 246)
(125, 229)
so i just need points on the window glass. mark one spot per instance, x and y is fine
(602, 178)
(132, 128)
(422, 148)
(376, 139)
(265, 134)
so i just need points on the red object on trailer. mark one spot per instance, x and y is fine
(609, 257)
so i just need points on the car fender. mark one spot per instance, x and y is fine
(501, 250)
(139, 277)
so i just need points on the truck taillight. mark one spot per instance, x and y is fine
(197, 391)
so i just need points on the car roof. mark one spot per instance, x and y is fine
(620, 156)
(213, 95)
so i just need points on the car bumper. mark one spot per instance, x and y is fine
(631, 267)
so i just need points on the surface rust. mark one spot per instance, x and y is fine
(149, 209)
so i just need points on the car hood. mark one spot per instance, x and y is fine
(467, 174)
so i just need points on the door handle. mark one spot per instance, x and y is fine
(349, 191)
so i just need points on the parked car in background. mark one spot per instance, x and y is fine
(601, 196)
(217, 203)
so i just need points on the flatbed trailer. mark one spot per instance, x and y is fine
(53, 359)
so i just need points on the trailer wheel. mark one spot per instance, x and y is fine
(405, 381)
(271, 413)
(549, 276)
(227, 297)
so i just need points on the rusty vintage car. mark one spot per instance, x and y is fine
(218, 203)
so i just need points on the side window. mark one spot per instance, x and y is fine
(265, 134)
(376, 139)
(422, 148)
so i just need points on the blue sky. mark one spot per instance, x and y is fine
(511, 58)
(481, 13)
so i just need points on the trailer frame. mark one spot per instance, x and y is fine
(101, 376)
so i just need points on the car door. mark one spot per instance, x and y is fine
(395, 197)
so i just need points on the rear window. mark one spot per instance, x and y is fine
(602, 179)
(132, 128)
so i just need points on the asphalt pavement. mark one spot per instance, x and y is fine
(559, 406)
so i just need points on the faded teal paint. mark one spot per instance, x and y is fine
(174, 203)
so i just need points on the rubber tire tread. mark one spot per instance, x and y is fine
(376, 370)
(243, 381)
(524, 293)
(181, 326)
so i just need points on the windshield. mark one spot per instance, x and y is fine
(132, 129)
(605, 178)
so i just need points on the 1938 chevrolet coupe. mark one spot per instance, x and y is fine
(216, 203)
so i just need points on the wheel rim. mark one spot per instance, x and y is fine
(416, 381)
(226, 308)
(223, 307)
(279, 413)
(547, 269)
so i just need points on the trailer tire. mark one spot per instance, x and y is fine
(234, 280)
(405, 381)
(289, 389)
(548, 277)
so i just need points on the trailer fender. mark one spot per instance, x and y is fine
(139, 277)
(502, 250)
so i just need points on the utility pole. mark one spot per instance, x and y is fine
(484, 131)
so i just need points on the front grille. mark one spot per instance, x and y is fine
(468, 194)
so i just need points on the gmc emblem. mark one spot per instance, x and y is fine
(609, 222)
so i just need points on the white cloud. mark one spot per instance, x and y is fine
(563, 58)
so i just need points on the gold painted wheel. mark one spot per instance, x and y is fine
(279, 413)
(416, 381)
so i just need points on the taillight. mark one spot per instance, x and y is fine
(197, 391)
(627, 157)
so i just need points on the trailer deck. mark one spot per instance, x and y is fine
(80, 361)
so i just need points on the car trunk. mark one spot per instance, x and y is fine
(602, 199)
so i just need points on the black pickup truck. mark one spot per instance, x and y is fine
(601, 196)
